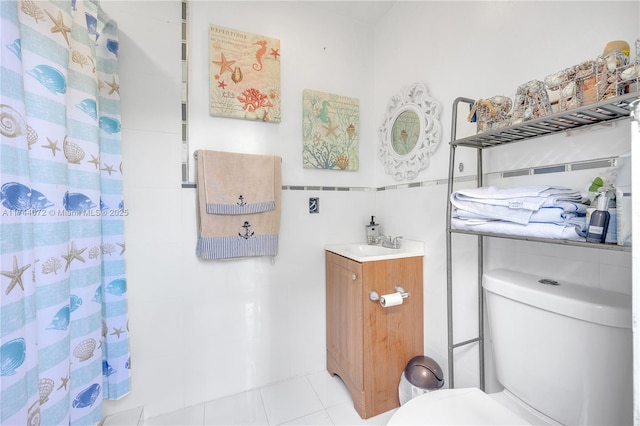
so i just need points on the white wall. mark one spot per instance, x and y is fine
(320, 51)
(202, 330)
(478, 50)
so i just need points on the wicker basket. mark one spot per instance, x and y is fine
(491, 114)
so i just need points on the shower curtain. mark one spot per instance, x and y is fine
(63, 309)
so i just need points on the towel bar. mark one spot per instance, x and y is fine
(195, 155)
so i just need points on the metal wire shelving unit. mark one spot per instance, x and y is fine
(613, 109)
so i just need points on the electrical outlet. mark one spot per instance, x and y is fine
(314, 205)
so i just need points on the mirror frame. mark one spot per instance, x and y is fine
(414, 98)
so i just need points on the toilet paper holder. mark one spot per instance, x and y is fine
(374, 296)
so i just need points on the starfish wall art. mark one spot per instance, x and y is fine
(244, 75)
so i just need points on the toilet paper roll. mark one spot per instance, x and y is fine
(393, 299)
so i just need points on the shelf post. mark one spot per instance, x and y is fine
(451, 344)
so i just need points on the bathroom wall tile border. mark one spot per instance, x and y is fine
(558, 168)
(184, 101)
(325, 188)
(561, 168)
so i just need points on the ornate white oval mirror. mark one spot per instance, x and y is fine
(410, 132)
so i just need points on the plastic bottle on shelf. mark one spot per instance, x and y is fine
(599, 222)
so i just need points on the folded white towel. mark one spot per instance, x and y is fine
(539, 230)
(513, 204)
(525, 197)
(570, 206)
(544, 215)
(495, 192)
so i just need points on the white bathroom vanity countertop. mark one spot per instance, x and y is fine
(363, 252)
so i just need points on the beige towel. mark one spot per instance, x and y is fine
(237, 183)
(223, 236)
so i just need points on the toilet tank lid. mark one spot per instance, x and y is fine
(578, 301)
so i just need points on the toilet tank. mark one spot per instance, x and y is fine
(563, 349)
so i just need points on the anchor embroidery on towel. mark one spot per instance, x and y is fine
(246, 235)
(241, 201)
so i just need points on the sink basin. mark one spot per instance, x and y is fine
(363, 252)
(368, 250)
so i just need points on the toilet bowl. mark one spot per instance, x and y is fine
(468, 406)
(530, 324)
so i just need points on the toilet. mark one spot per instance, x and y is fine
(562, 352)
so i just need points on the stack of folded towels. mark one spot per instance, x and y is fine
(239, 198)
(528, 211)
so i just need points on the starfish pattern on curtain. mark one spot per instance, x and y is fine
(64, 338)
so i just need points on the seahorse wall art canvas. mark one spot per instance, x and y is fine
(244, 75)
(330, 127)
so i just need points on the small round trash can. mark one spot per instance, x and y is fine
(421, 375)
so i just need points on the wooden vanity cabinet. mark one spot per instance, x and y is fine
(369, 346)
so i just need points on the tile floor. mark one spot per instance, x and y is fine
(316, 399)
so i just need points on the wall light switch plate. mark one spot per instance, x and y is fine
(314, 205)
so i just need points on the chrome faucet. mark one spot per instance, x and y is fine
(390, 242)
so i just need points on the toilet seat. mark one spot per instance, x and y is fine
(468, 406)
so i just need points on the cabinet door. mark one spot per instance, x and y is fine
(344, 320)
(393, 335)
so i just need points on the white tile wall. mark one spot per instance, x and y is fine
(206, 330)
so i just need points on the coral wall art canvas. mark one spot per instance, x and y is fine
(244, 75)
(330, 127)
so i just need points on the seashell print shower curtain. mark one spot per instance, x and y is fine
(63, 308)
